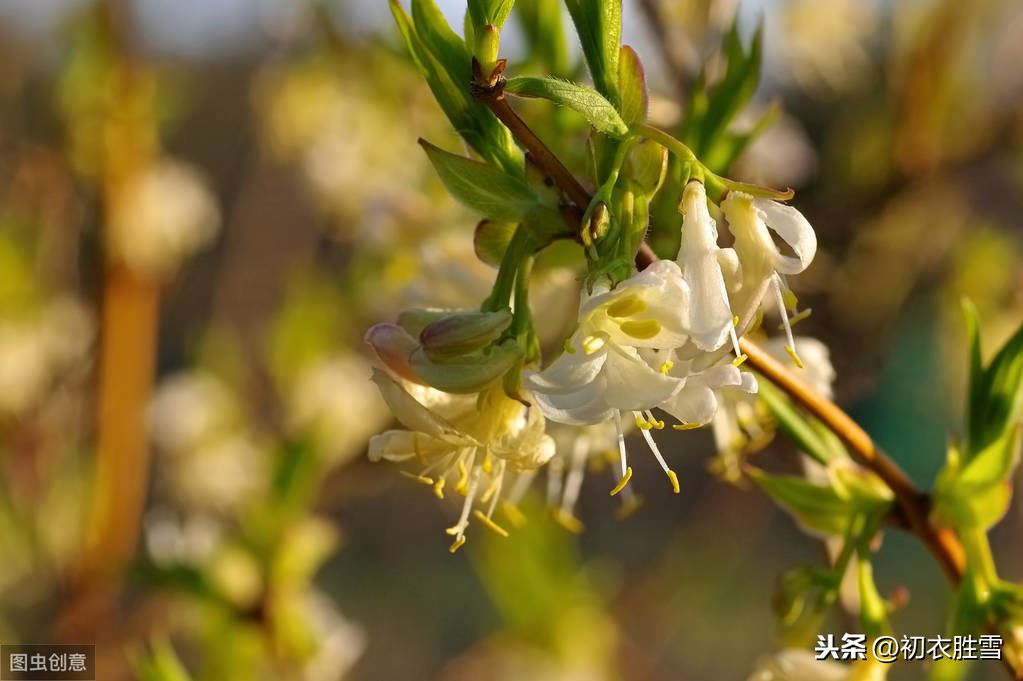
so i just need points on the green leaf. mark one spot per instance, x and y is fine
(815, 507)
(481, 186)
(591, 104)
(545, 35)
(975, 493)
(975, 379)
(1001, 394)
(489, 12)
(598, 24)
(470, 118)
(491, 239)
(632, 87)
(440, 40)
(794, 424)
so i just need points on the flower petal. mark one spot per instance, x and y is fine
(794, 229)
(414, 415)
(632, 385)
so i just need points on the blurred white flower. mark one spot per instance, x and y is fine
(163, 216)
(334, 403)
(339, 641)
(171, 539)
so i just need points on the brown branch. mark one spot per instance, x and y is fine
(913, 504)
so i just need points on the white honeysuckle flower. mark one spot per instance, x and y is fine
(708, 315)
(763, 265)
(601, 370)
(697, 402)
(474, 441)
(796, 664)
(602, 373)
(161, 217)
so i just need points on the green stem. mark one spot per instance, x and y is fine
(979, 561)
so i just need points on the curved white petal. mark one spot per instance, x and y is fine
(584, 407)
(794, 229)
(708, 316)
(632, 385)
(414, 415)
(567, 373)
(695, 403)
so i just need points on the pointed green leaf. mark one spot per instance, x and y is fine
(975, 379)
(816, 507)
(632, 87)
(435, 33)
(793, 423)
(481, 186)
(975, 493)
(489, 12)
(591, 104)
(1001, 395)
(598, 24)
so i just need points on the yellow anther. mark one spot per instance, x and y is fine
(790, 300)
(626, 306)
(674, 480)
(629, 507)
(568, 346)
(568, 521)
(740, 359)
(462, 486)
(482, 517)
(795, 358)
(485, 466)
(515, 516)
(666, 367)
(657, 424)
(457, 544)
(418, 478)
(687, 426)
(623, 482)
(796, 318)
(643, 423)
(438, 488)
(648, 328)
(490, 490)
(592, 343)
(735, 320)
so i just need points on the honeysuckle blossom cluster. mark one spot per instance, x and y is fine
(661, 344)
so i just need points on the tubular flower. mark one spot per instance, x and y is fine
(763, 265)
(707, 313)
(458, 438)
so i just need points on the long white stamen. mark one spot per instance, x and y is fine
(458, 529)
(660, 459)
(497, 490)
(520, 487)
(621, 441)
(555, 471)
(574, 480)
(780, 299)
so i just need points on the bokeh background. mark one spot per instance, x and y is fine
(184, 410)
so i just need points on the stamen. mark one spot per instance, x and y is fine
(438, 488)
(800, 316)
(791, 347)
(660, 459)
(486, 463)
(739, 360)
(574, 480)
(463, 480)
(642, 424)
(458, 528)
(621, 441)
(666, 367)
(568, 521)
(790, 300)
(418, 478)
(626, 306)
(624, 481)
(657, 424)
(568, 346)
(480, 516)
(514, 515)
(647, 328)
(687, 426)
(735, 343)
(457, 544)
(592, 344)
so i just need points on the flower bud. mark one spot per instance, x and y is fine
(467, 373)
(394, 346)
(463, 333)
